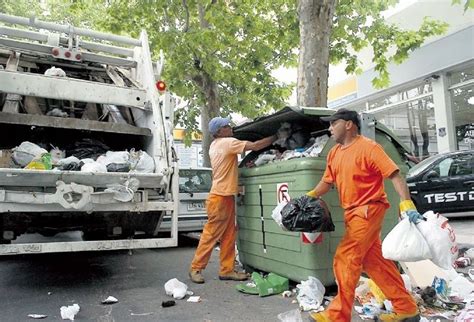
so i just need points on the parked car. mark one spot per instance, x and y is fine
(444, 183)
(194, 187)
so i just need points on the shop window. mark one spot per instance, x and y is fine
(461, 76)
(462, 105)
(414, 124)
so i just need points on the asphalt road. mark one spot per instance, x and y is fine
(42, 283)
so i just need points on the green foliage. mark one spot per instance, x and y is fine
(236, 47)
(238, 43)
(468, 4)
(20, 7)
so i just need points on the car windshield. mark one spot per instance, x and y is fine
(420, 167)
(195, 180)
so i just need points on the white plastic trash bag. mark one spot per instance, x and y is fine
(26, 152)
(53, 71)
(69, 312)
(440, 238)
(117, 157)
(142, 162)
(94, 167)
(176, 289)
(290, 316)
(310, 294)
(276, 214)
(124, 192)
(405, 243)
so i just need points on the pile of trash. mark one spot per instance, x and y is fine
(292, 143)
(86, 155)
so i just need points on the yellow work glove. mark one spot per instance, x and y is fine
(312, 193)
(407, 208)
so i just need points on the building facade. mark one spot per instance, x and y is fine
(430, 102)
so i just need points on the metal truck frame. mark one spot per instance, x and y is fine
(30, 200)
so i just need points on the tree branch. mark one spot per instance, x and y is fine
(186, 21)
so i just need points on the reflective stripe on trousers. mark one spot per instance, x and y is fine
(361, 250)
(220, 226)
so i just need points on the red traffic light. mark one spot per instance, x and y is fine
(161, 86)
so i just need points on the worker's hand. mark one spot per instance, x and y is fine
(407, 208)
(414, 216)
(312, 194)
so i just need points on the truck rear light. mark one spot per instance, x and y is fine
(55, 51)
(78, 56)
(161, 86)
(67, 54)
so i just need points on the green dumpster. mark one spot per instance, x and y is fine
(261, 243)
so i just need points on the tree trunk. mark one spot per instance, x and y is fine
(315, 20)
(209, 88)
(210, 110)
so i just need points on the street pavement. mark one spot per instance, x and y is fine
(41, 284)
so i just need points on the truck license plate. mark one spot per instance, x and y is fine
(195, 205)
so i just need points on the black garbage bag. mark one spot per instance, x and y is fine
(87, 148)
(307, 214)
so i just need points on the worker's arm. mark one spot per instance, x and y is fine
(407, 207)
(320, 189)
(260, 144)
(400, 185)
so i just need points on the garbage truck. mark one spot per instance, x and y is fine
(85, 140)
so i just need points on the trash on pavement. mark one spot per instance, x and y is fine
(405, 243)
(461, 287)
(175, 288)
(69, 312)
(467, 314)
(168, 303)
(264, 286)
(307, 214)
(462, 262)
(194, 299)
(469, 253)
(440, 238)
(37, 316)
(287, 294)
(290, 316)
(110, 300)
(376, 292)
(310, 294)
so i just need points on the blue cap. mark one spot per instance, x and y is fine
(216, 123)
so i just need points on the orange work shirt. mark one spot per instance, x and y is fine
(223, 154)
(358, 171)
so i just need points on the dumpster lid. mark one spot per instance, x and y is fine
(306, 117)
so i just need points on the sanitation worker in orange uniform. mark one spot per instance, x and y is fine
(220, 204)
(357, 167)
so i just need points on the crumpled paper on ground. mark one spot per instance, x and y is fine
(69, 312)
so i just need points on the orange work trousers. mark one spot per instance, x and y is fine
(220, 226)
(361, 250)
